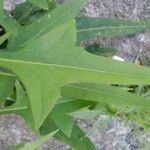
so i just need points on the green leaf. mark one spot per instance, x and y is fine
(7, 82)
(106, 27)
(45, 64)
(102, 51)
(5, 36)
(40, 3)
(7, 22)
(27, 13)
(21, 100)
(60, 115)
(52, 4)
(1, 8)
(20, 106)
(77, 140)
(43, 100)
(105, 94)
(89, 114)
(9, 25)
(45, 24)
(111, 100)
(39, 142)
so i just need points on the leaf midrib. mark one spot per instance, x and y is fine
(14, 109)
(95, 90)
(67, 67)
(110, 27)
(110, 94)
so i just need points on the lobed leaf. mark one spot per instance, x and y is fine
(45, 64)
(44, 58)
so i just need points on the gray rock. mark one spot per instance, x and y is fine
(112, 134)
(137, 9)
(11, 4)
(13, 131)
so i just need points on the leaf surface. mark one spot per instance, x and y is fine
(5, 37)
(20, 106)
(102, 50)
(105, 94)
(39, 142)
(77, 140)
(60, 115)
(40, 3)
(91, 114)
(106, 27)
(7, 82)
(111, 100)
(1, 8)
(46, 23)
(45, 64)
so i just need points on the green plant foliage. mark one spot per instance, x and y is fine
(6, 86)
(105, 27)
(52, 4)
(101, 50)
(60, 114)
(27, 13)
(111, 100)
(104, 93)
(40, 3)
(7, 22)
(20, 106)
(85, 114)
(50, 79)
(5, 37)
(69, 61)
(77, 140)
(37, 143)
(45, 24)
(1, 8)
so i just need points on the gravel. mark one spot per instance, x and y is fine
(13, 130)
(129, 9)
(114, 135)
(11, 4)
